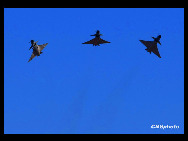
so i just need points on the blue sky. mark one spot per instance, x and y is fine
(74, 88)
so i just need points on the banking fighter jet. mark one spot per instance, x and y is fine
(37, 49)
(97, 40)
(152, 45)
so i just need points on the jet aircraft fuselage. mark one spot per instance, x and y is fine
(36, 49)
(97, 34)
(157, 39)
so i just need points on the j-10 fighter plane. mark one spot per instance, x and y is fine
(37, 49)
(152, 45)
(97, 40)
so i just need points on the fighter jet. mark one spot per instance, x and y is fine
(97, 40)
(37, 49)
(152, 45)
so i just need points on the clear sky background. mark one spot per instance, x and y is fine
(78, 88)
